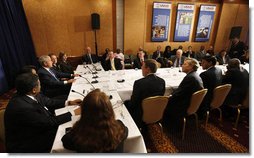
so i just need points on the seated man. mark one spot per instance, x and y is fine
(179, 102)
(51, 85)
(113, 63)
(29, 126)
(178, 59)
(238, 77)
(137, 63)
(89, 58)
(55, 64)
(211, 78)
(150, 85)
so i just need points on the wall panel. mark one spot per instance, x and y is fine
(65, 25)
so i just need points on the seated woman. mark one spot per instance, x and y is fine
(97, 131)
(64, 65)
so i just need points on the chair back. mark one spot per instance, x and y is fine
(2, 130)
(153, 108)
(196, 99)
(219, 95)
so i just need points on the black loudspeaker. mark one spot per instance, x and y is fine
(95, 21)
(235, 32)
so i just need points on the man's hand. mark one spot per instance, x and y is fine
(77, 111)
(71, 80)
(74, 102)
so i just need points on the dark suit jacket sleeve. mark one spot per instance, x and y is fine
(51, 104)
(118, 64)
(60, 119)
(47, 79)
(62, 74)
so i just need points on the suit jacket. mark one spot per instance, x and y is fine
(137, 63)
(29, 126)
(173, 59)
(239, 79)
(148, 86)
(236, 50)
(52, 87)
(180, 100)
(220, 59)
(118, 64)
(211, 78)
(87, 59)
(156, 54)
(66, 67)
(56, 67)
(69, 141)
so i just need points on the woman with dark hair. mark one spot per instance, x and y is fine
(64, 65)
(97, 130)
(167, 52)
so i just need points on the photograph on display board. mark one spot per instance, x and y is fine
(183, 22)
(160, 21)
(205, 22)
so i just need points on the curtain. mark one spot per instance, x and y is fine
(16, 45)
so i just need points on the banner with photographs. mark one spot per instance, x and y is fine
(160, 22)
(205, 21)
(183, 22)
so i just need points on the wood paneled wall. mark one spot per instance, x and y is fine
(65, 25)
(232, 15)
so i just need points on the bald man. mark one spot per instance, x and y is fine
(89, 57)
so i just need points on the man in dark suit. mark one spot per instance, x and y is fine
(113, 63)
(236, 49)
(158, 53)
(150, 85)
(137, 63)
(178, 59)
(90, 58)
(55, 64)
(238, 77)
(29, 126)
(211, 78)
(179, 101)
(51, 85)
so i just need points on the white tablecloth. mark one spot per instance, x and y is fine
(107, 82)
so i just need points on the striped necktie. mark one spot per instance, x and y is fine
(52, 73)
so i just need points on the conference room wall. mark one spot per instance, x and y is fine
(136, 18)
(65, 25)
(239, 16)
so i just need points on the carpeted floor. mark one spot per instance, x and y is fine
(216, 138)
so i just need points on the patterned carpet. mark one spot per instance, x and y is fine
(216, 138)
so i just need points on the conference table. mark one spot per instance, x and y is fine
(118, 85)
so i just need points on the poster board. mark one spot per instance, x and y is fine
(160, 21)
(183, 22)
(205, 21)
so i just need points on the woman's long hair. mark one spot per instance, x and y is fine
(97, 130)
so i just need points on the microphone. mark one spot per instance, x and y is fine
(88, 81)
(96, 69)
(77, 92)
(93, 72)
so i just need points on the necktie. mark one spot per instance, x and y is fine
(177, 62)
(52, 73)
(90, 58)
(112, 64)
